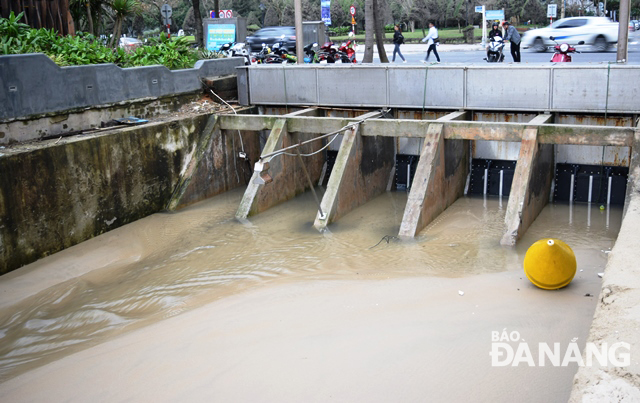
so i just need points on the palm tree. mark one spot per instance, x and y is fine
(122, 9)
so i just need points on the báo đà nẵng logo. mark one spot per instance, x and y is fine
(508, 348)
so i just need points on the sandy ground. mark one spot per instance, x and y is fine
(411, 339)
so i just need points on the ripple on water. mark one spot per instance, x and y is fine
(202, 250)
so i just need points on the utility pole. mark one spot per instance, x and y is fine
(299, 34)
(623, 32)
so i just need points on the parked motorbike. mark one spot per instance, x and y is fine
(238, 49)
(495, 51)
(259, 58)
(310, 53)
(328, 53)
(562, 51)
(348, 51)
(280, 49)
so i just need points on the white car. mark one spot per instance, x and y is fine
(599, 32)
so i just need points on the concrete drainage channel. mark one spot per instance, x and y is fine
(115, 177)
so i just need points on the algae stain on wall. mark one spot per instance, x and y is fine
(58, 195)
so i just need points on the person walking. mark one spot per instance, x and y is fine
(512, 35)
(398, 39)
(431, 39)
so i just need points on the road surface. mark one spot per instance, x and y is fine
(473, 54)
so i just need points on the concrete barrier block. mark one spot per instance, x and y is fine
(508, 88)
(444, 87)
(352, 86)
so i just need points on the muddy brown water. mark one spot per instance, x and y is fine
(169, 263)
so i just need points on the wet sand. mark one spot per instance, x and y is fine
(195, 306)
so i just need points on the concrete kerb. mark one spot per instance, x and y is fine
(617, 318)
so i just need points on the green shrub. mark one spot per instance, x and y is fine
(18, 38)
(339, 31)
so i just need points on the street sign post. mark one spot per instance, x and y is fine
(552, 10)
(166, 13)
(483, 10)
(352, 11)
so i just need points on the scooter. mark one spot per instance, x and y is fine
(280, 49)
(259, 58)
(562, 51)
(494, 53)
(240, 50)
(348, 49)
(310, 53)
(328, 54)
(232, 49)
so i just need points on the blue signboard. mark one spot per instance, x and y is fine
(219, 34)
(325, 11)
(491, 15)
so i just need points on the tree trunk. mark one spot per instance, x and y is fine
(377, 17)
(117, 27)
(198, 17)
(369, 23)
(89, 17)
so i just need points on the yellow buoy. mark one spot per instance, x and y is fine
(550, 264)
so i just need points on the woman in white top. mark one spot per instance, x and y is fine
(431, 36)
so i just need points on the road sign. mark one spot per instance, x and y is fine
(552, 10)
(352, 10)
(222, 14)
(166, 21)
(353, 21)
(601, 5)
(494, 15)
(478, 9)
(166, 11)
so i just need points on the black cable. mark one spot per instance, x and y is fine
(387, 238)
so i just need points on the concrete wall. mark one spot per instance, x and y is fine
(56, 194)
(32, 84)
(527, 88)
(42, 126)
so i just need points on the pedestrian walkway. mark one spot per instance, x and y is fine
(416, 48)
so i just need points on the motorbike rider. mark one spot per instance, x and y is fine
(495, 31)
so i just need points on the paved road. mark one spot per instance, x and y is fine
(473, 54)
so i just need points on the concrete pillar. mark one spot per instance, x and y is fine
(439, 180)
(288, 177)
(359, 174)
(531, 183)
(204, 145)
